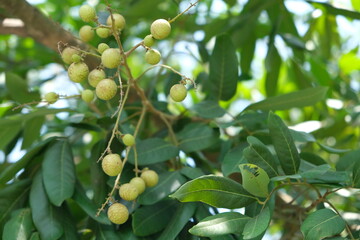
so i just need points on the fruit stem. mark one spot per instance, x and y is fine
(115, 129)
(180, 14)
(134, 48)
(115, 184)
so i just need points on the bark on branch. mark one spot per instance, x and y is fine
(41, 28)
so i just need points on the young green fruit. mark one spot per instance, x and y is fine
(86, 33)
(149, 40)
(87, 13)
(178, 92)
(106, 89)
(118, 19)
(160, 29)
(51, 97)
(87, 95)
(76, 58)
(78, 72)
(128, 192)
(95, 76)
(118, 213)
(111, 58)
(152, 56)
(102, 47)
(128, 140)
(112, 164)
(67, 54)
(103, 32)
(139, 183)
(150, 177)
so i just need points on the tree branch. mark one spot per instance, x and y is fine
(41, 28)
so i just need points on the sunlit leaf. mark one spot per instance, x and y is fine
(254, 179)
(213, 190)
(220, 224)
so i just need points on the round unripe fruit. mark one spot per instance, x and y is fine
(128, 140)
(178, 92)
(111, 58)
(78, 72)
(87, 13)
(139, 183)
(76, 58)
(103, 32)
(95, 76)
(160, 29)
(152, 56)
(87, 95)
(118, 19)
(102, 47)
(118, 213)
(86, 33)
(67, 54)
(150, 177)
(106, 89)
(112, 164)
(51, 97)
(149, 40)
(128, 192)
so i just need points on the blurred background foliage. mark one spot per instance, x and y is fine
(281, 46)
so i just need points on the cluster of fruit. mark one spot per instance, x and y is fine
(112, 166)
(106, 88)
(111, 58)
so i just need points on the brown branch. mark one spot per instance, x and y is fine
(41, 28)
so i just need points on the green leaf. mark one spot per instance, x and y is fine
(333, 150)
(284, 145)
(32, 131)
(59, 172)
(256, 226)
(8, 132)
(302, 136)
(337, 11)
(208, 109)
(213, 190)
(302, 98)
(254, 179)
(220, 224)
(346, 162)
(153, 150)
(11, 197)
(11, 170)
(18, 89)
(316, 171)
(191, 172)
(45, 216)
(148, 220)
(35, 236)
(20, 225)
(312, 158)
(68, 224)
(87, 205)
(322, 223)
(105, 232)
(232, 160)
(272, 65)
(168, 183)
(196, 136)
(223, 67)
(178, 221)
(257, 153)
(356, 174)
